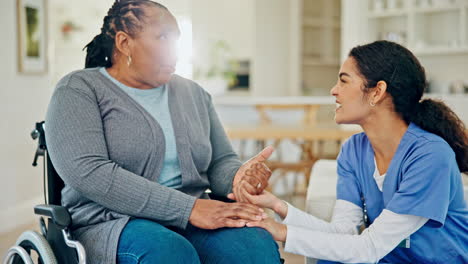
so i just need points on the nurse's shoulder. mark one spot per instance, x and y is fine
(427, 147)
(421, 138)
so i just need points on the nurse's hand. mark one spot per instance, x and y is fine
(212, 214)
(253, 175)
(278, 231)
(265, 199)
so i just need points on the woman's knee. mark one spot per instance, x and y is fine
(181, 250)
(173, 249)
(145, 241)
(256, 246)
(262, 241)
(233, 245)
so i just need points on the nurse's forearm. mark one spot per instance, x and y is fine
(387, 231)
(347, 217)
(281, 208)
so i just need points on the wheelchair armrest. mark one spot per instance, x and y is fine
(58, 214)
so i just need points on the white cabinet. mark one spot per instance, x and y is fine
(427, 27)
(436, 31)
(320, 50)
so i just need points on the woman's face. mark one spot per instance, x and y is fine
(153, 51)
(352, 106)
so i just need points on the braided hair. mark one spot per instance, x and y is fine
(124, 15)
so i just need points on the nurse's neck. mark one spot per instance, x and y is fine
(385, 131)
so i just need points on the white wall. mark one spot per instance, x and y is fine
(23, 100)
(221, 21)
(271, 64)
(259, 31)
(231, 21)
(68, 54)
(352, 29)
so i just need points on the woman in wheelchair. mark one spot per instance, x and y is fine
(137, 147)
(400, 178)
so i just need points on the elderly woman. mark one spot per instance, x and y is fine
(137, 148)
(400, 178)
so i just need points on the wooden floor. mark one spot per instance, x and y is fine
(8, 239)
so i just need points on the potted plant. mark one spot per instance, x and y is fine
(221, 71)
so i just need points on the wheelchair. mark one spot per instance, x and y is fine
(54, 244)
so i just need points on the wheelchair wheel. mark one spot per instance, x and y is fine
(31, 240)
(16, 252)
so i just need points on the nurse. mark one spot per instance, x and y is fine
(400, 178)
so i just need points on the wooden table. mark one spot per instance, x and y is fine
(284, 131)
(304, 133)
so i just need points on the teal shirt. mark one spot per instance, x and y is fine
(155, 101)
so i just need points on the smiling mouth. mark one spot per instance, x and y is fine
(338, 106)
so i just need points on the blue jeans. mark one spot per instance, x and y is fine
(145, 241)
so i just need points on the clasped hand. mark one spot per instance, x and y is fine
(246, 191)
(267, 200)
(251, 178)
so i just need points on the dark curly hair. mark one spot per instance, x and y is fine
(406, 81)
(124, 15)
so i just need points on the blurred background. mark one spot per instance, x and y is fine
(269, 65)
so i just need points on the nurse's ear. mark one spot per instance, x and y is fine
(378, 93)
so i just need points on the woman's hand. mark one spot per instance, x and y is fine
(265, 199)
(277, 230)
(211, 214)
(253, 175)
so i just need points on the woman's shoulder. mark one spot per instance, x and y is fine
(178, 80)
(79, 74)
(188, 87)
(78, 79)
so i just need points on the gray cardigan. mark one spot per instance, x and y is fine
(109, 152)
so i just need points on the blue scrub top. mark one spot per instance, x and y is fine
(423, 179)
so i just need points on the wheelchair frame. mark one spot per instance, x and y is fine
(54, 244)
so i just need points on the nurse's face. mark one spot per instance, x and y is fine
(352, 106)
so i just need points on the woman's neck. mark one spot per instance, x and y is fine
(385, 132)
(124, 76)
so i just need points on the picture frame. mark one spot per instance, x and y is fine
(32, 36)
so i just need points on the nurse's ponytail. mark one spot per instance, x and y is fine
(406, 81)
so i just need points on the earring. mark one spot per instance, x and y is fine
(372, 104)
(129, 60)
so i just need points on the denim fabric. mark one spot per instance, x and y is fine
(145, 241)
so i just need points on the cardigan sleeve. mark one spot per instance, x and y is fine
(78, 150)
(224, 161)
